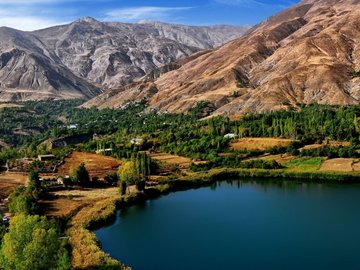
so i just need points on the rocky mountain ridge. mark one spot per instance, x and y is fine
(81, 59)
(308, 53)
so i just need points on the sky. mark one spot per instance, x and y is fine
(36, 14)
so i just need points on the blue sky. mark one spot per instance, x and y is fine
(36, 14)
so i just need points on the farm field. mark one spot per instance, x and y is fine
(63, 203)
(97, 165)
(341, 165)
(9, 181)
(183, 162)
(281, 158)
(330, 144)
(259, 143)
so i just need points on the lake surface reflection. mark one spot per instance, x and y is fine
(241, 225)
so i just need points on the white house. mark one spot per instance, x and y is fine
(137, 141)
(230, 136)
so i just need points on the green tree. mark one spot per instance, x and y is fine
(32, 243)
(80, 175)
(127, 172)
(34, 184)
(21, 201)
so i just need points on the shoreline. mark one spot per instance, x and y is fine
(104, 212)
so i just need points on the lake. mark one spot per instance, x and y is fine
(241, 225)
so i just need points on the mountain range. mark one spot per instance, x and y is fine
(309, 53)
(84, 58)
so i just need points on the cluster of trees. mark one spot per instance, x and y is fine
(51, 119)
(135, 171)
(312, 123)
(32, 241)
(24, 199)
(80, 176)
(331, 152)
(235, 162)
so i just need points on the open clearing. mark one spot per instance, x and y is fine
(341, 165)
(172, 159)
(97, 165)
(259, 143)
(330, 144)
(10, 105)
(9, 181)
(65, 202)
(281, 158)
(304, 164)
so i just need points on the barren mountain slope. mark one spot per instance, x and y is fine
(81, 59)
(302, 55)
(115, 54)
(28, 70)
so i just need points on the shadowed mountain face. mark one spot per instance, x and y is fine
(81, 59)
(28, 70)
(309, 53)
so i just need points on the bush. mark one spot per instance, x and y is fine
(80, 175)
(235, 162)
(111, 179)
(331, 152)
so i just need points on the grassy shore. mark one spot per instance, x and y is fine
(86, 252)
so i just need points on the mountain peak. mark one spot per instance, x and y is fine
(88, 20)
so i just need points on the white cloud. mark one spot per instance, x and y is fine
(143, 13)
(28, 23)
(18, 16)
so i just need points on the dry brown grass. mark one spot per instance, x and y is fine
(356, 165)
(171, 159)
(330, 144)
(281, 158)
(9, 105)
(60, 206)
(259, 143)
(340, 165)
(97, 165)
(9, 181)
(65, 202)
(86, 253)
(85, 206)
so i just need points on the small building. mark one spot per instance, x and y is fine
(104, 151)
(46, 157)
(73, 126)
(137, 141)
(60, 181)
(230, 136)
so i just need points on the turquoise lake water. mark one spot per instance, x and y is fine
(241, 225)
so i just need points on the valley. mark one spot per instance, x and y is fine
(129, 156)
(123, 143)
